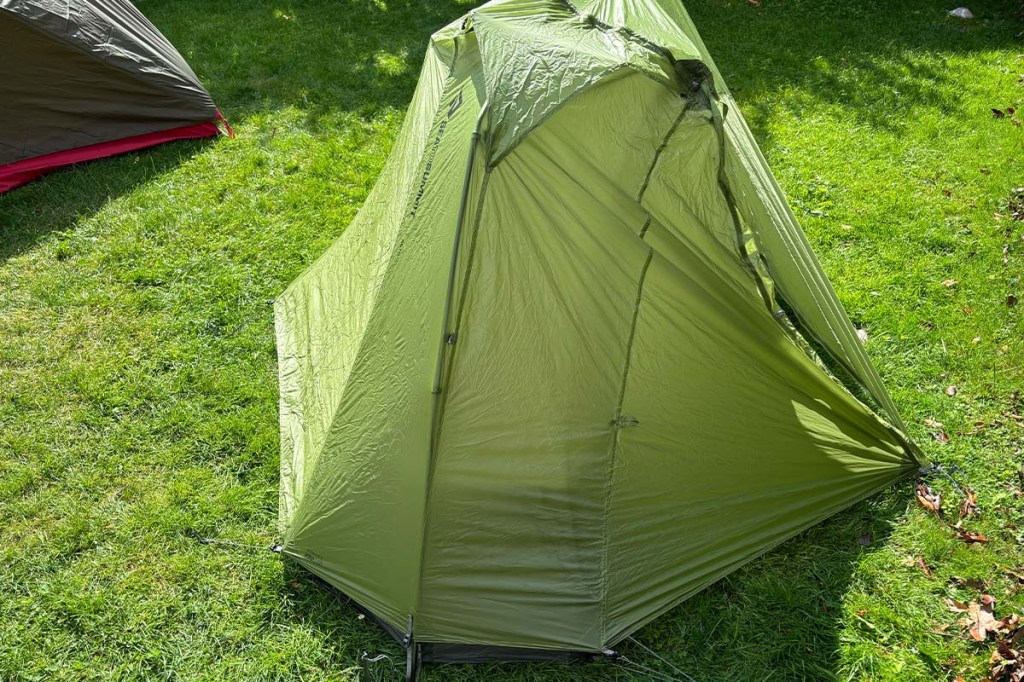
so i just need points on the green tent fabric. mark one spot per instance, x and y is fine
(84, 79)
(574, 359)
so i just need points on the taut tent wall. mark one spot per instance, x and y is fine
(543, 387)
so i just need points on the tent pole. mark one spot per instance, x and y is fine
(446, 339)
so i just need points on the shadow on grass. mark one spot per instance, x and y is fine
(61, 200)
(323, 58)
(883, 63)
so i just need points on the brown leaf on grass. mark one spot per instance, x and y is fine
(754, 3)
(1011, 300)
(970, 537)
(969, 507)
(1007, 661)
(1015, 574)
(976, 340)
(976, 584)
(941, 436)
(982, 618)
(949, 282)
(929, 499)
(952, 390)
(925, 568)
(957, 606)
(998, 113)
(932, 423)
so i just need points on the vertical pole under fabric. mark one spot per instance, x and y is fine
(415, 652)
(453, 265)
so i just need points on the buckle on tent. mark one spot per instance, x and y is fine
(624, 421)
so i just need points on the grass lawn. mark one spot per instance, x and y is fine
(138, 390)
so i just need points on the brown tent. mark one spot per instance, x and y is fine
(85, 79)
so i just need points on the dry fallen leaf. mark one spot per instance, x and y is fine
(976, 584)
(932, 423)
(969, 507)
(956, 606)
(1015, 574)
(970, 537)
(982, 619)
(928, 498)
(998, 113)
(949, 283)
(976, 340)
(925, 568)
(941, 436)
(1011, 300)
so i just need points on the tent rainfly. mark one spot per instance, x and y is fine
(574, 360)
(86, 79)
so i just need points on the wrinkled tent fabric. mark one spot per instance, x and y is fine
(83, 79)
(574, 359)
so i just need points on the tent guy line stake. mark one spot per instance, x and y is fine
(275, 547)
(664, 660)
(648, 672)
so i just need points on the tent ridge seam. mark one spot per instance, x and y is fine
(661, 148)
(613, 446)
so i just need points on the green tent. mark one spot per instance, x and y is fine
(574, 360)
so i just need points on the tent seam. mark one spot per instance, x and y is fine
(658, 152)
(613, 447)
(442, 398)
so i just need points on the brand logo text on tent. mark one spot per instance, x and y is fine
(453, 107)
